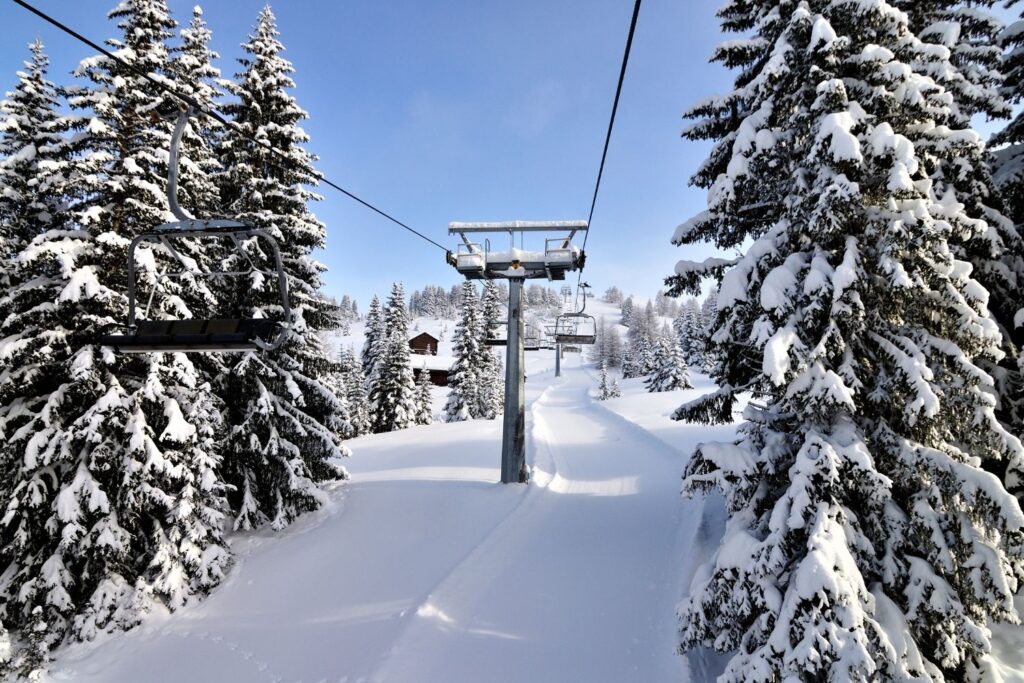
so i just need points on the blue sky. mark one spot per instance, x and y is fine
(469, 110)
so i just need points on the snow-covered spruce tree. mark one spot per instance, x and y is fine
(373, 340)
(424, 403)
(343, 420)
(627, 312)
(865, 541)
(392, 395)
(194, 74)
(689, 329)
(603, 388)
(113, 502)
(464, 376)
(34, 162)
(29, 664)
(972, 78)
(355, 394)
(1008, 271)
(613, 348)
(614, 391)
(491, 372)
(283, 420)
(670, 370)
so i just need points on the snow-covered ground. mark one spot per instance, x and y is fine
(424, 568)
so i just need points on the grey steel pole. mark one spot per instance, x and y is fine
(513, 438)
(558, 360)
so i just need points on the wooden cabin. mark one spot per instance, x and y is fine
(424, 343)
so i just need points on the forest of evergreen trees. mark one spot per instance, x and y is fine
(120, 475)
(867, 326)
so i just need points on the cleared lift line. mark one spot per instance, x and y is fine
(516, 265)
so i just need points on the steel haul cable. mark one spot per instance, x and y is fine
(608, 135)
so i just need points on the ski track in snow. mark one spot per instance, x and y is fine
(426, 569)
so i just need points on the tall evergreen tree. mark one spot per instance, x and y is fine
(195, 74)
(392, 395)
(1006, 300)
(464, 376)
(283, 420)
(603, 387)
(34, 162)
(670, 370)
(689, 329)
(972, 78)
(865, 541)
(424, 402)
(355, 394)
(373, 339)
(492, 381)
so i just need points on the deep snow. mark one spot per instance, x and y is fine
(424, 568)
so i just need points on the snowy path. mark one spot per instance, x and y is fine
(425, 569)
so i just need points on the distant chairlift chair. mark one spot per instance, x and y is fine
(532, 338)
(203, 336)
(576, 327)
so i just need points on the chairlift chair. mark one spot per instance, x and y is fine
(576, 327)
(195, 335)
(531, 339)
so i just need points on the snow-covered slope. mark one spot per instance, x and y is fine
(424, 568)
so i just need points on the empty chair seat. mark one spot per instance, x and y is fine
(224, 334)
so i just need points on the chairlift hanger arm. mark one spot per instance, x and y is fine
(457, 227)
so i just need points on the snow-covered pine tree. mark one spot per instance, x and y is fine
(355, 394)
(392, 396)
(344, 422)
(424, 403)
(195, 74)
(627, 312)
(689, 330)
(34, 162)
(670, 370)
(603, 388)
(464, 376)
(599, 350)
(1008, 271)
(614, 391)
(282, 419)
(613, 348)
(1009, 160)
(865, 541)
(113, 501)
(491, 373)
(372, 341)
(29, 664)
(972, 78)
(630, 368)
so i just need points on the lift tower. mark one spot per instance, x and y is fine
(478, 261)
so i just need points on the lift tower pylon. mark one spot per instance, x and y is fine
(478, 261)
